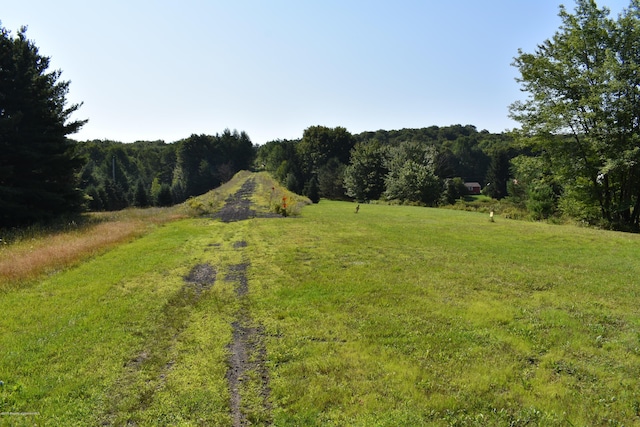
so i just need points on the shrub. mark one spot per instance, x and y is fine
(196, 206)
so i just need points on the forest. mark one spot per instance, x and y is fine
(422, 166)
(425, 166)
(153, 173)
(576, 155)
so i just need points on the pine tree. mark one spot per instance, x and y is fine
(497, 176)
(37, 163)
(140, 197)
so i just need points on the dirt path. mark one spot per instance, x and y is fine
(238, 206)
(247, 376)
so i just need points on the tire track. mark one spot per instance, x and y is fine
(247, 375)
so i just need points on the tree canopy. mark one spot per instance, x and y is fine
(409, 165)
(583, 111)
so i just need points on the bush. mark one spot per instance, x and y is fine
(196, 206)
(476, 204)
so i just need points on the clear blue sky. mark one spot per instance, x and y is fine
(149, 70)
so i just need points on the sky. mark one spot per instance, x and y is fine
(163, 70)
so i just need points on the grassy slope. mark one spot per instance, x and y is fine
(396, 315)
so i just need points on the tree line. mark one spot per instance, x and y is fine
(576, 154)
(426, 166)
(154, 173)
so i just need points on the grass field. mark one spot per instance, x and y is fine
(392, 316)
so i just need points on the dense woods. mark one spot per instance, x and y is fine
(154, 173)
(410, 165)
(425, 166)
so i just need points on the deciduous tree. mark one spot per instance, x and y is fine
(583, 108)
(365, 175)
(411, 176)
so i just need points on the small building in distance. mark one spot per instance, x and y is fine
(473, 187)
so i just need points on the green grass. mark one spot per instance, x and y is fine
(421, 316)
(101, 342)
(396, 315)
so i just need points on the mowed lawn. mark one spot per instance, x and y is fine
(414, 316)
(392, 316)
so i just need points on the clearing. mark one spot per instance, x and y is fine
(398, 315)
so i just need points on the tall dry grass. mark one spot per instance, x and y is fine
(36, 251)
(28, 259)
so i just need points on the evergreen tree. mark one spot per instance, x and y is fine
(292, 183)
(312, 190)
(140, 197)
(497, 176)
(116, 198)
(95, 199)
(164, 196)
(330, 179)
(38, 164)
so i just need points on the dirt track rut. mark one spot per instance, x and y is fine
(247, 373)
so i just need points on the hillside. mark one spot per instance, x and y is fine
(394, 315)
